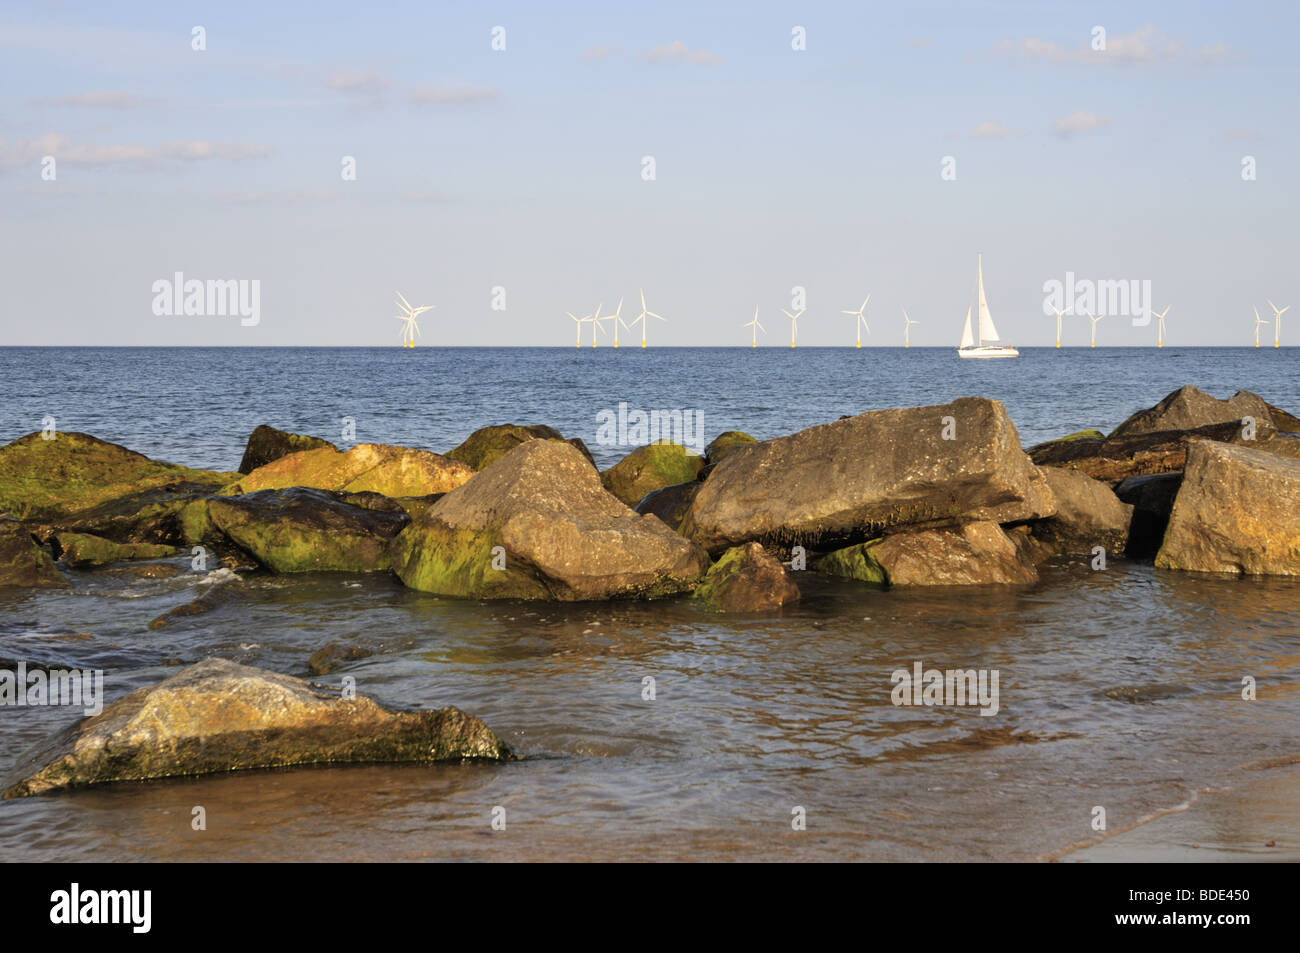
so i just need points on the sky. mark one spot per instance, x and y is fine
(502, 156)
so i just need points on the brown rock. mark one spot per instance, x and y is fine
(1088, 514)
(746, 579)
(266, 445)
(973, 554)
(373, 467)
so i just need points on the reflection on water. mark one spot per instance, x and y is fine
(1119, 688)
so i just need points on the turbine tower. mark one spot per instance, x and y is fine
(861, 322)
(1277, 323)
(907, 329)
(756, 326)
(1094, 327)
(410, 329)
(1258, 322)
(1160, 325)
(1059, 313)
(595, 320)
(794, 323)
(578, 328)
(618, 319)
(645, 312)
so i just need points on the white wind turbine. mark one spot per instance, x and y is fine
(595, 320)
(1258, 322)
(1059, 313)
(907, 329)
(410, 329)
(618, 319)
(1160, 325)
(794, 323)
(1094, 327)
(577, 327)
(756, 326)
(645, 312)
(862, 322)
(1277, 325)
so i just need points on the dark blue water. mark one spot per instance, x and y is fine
(1119, 688)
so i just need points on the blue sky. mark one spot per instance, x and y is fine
(522, 168)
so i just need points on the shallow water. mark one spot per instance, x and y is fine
(1119, 688)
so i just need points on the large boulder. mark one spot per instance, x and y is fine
(973, 554)
(1189, 408)
(1152, 498)
(218, 716)
(487, 445)
(724, 443)
(651, 468)
(266, 444)
(24, 563)
(79, 483)
(301, 529)
(367, 467)
(1088, 514)
(669, 504)
(84, 550)
(845, 482)
(538, 524)
(746, 579)
(1237, 511)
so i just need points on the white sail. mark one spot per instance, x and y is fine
(967, 339)
(988, 332)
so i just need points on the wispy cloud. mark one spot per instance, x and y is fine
(65, 150)
(425, 195)
(1079, 121)
(989, 129)
(357, 81)
(99, 99)
(1242, 135)
(601, 51)
(920, 41)
(679, 52)
(1144, 46)
(276, 198)
(442, 95)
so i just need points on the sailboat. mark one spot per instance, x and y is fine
(989, 345)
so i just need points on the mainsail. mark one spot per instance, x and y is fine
(967, 339)
(988, 332)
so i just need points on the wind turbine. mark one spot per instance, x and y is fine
(794, 323)
(411, 328)
(1258, 322)
(642, 316)
(862, 322)
(578, 328)
(1059, 312)
(1277, 326)
(756, 326)
(1160, 325)
(595, 320)
(907, 328)
(1094, 327)
(617, 316)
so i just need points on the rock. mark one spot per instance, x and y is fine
(222, 588)
(325, 660)
(24, 563)
(218, 716)
(1283, 420)
(487, 445)
(561, 536)
(266, 444)
(1237, 511)
(1033, 551)
(973, 554)
(1088, 514)
(724, 443)
(300, 529)
(82, 550)
(746, 579)
(669, 504)
(373, 467)
(846, 481)
(1152, 497)
(78, 483)
(651, 468)
(1190, 408)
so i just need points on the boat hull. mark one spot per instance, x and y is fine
(987, 352)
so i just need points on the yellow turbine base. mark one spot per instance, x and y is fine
(1275, 344)
(1092, 345)
(859, 344)
(1058, 343)
(1160, 344)
(643, 343)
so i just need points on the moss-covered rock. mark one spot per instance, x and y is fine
(746, 579)
(487, 445)
(367, 467)
(972, 554)
(724, 443)
(218, 716)
(266, 445)
(650, 468)
(23, 563)
(537, 524)
(83, 550)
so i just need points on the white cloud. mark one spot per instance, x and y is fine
(440, 95)
(601, 51)
(23, 151)
(1079, 121)
(99, 99)
(276, 198)
(1145, 45)
(989, 129)
(368, 81)
(679, 52)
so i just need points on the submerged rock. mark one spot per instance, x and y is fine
(847, 481)
(222, 587)
(219, 716)
(487, 445)
(1238, 511)
(24, 563)
(973, 554)
(746, 579)
(650, 468)
(1088, 514)
(367, 467)
(669, 504)
(538, 524)
(1190, 408)
(266, 444)
(82, 550)
(327, 659)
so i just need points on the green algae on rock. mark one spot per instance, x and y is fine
(367, 467)
(746, 579)
(974, 554)
(218, 716)
(84, 550)
(266, 445)
(650, 468)
(724, 443)
(487, 445)
(24, 563)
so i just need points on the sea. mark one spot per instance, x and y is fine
(765, 738)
